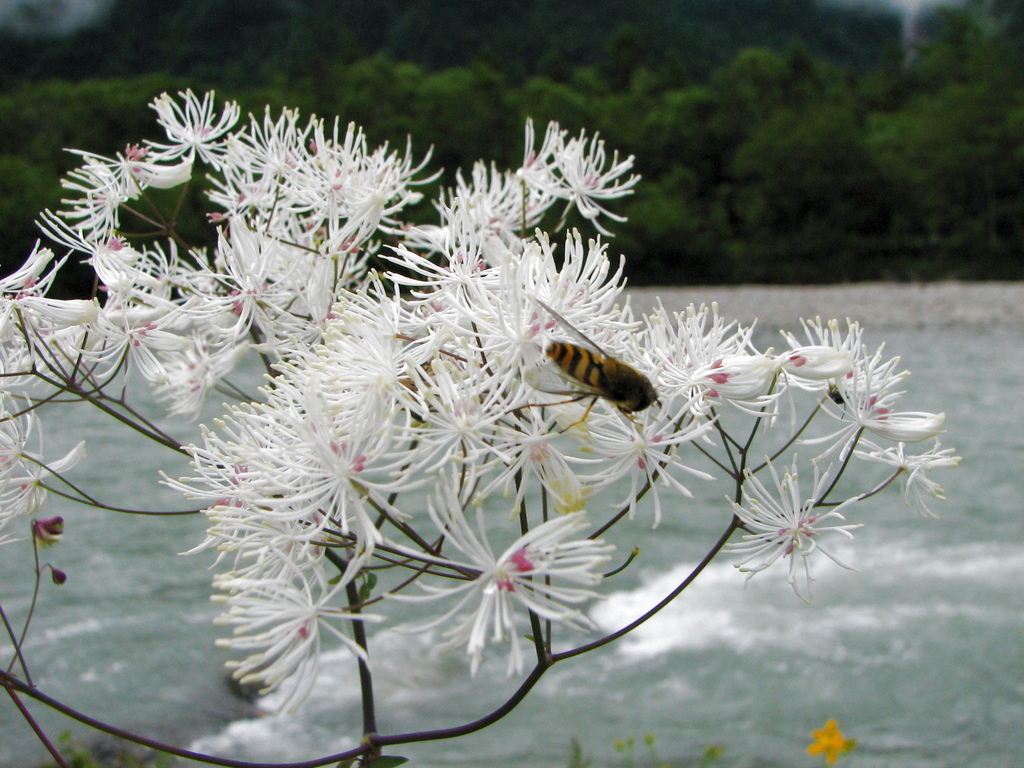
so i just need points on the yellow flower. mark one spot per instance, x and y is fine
(829, 741)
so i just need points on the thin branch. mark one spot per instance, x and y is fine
(461, 730)
(359, 635)
(16, 643)
(846, 462)
(13, 684)
(792, 439)
(40, 734)
(712, 553)
(85, 498)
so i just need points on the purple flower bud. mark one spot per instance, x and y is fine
(47, 532)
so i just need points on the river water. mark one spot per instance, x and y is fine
(919, 653)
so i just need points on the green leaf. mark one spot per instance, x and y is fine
(366, 589)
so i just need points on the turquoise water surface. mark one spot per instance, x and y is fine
(919, 653)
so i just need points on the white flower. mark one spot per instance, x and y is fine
(544, 571)
(45, 315)
(585, 180)
(303, 205)
(495, 204)
(816, 363)
(786, 523)
(193, 129)
(28, 278)
(866, 399)
(103, 185)
(463, 411)
(698, 354)
(160, 176)
(906, 426)
(742, 380)
(137, 336)
(647, 454)
(917, 487)
(536, 170)
(532, 453)
(305, 456)
(574, 169)
(194, 369)
(829, 355)
(284, 616)
(23, 468)
(249, 290)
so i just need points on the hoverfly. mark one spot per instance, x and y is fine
(586, 370)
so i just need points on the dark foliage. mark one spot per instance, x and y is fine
(238, 45)
(780, 166)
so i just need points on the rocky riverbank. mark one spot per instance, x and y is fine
(877, 306)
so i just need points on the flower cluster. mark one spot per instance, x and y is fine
(476, 395)
(298, 208)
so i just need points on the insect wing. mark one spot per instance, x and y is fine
(571, 330)
(546, 376)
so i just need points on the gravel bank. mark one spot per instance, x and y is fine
(876, 305)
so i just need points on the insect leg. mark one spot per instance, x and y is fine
(574, 399)
(593, 399)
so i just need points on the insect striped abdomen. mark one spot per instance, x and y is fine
(582, 364)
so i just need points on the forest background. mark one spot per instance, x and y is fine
(780, 141)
